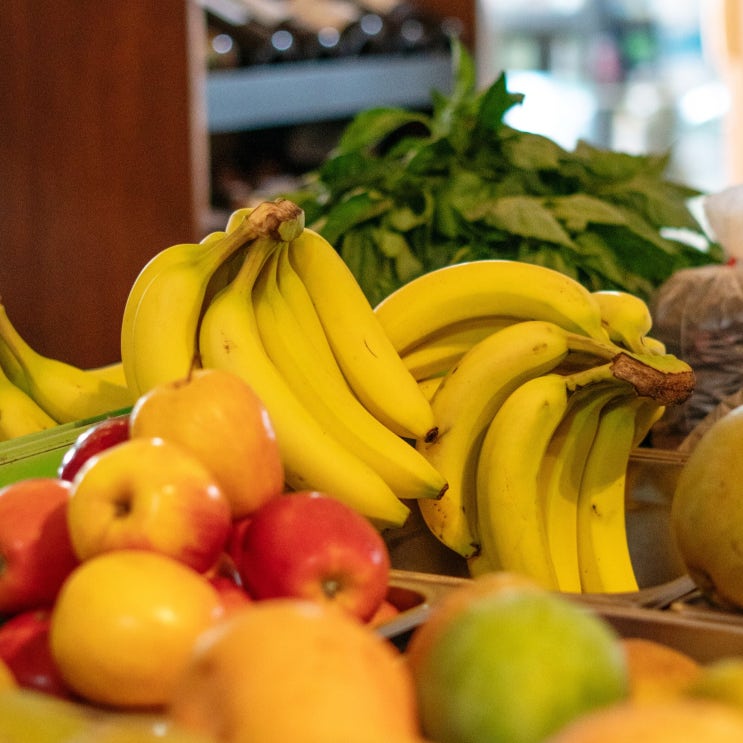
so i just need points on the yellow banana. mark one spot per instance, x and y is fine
(20, 414)
(313, 460)
(429, 386)
(441, 351)
(328, 398)
(510, 505)
(627, 319)
(65, 391)
(298, 298)
(603, 548)
(113, 372)
(162, 312)
(463, 406)
(371, 365)
(509, 288)
(9, 364)
(560, 477)
(181, 253)
(510, 516)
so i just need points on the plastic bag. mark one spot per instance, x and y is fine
(698, 314)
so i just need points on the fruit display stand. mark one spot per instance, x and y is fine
(667, 608)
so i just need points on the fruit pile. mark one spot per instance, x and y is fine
(501, 398)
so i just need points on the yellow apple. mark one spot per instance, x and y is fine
(219, 418)
(148, 494)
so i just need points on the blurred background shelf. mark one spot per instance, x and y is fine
(301, 92)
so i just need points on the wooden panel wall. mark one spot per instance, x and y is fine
(102, 160)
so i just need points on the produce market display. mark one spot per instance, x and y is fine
(210, 560)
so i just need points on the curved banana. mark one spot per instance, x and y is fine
(13, 370)
(295, 294)
(626, 317)
(181, 253)
(328, 398)
(369, 361)
(438, 353)
(603, 548)
(560, 477)
(429, 386)
(20, 414)
(461, 291)
(159, 336)
(113, 372)
(463, 407)
(313, 460)
(510, 516)
(66, 392)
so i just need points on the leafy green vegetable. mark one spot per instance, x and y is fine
(406, 192)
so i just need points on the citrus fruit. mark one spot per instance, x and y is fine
(124, 625)
(293, 670)
(667, 721)
(515, 666)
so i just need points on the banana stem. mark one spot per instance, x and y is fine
(583, 343)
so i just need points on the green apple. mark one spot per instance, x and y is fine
(515, 667)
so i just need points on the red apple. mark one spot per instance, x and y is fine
(219, 418)
(226, 579)
(93, 441)
(35, 550)
(149, 494)
(25, 649)
(310, 545)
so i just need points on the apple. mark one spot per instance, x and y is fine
(148, 494)
(226, 579)
(309, 545)
(36, 553)
(25, 649)
(93, 440)
(219, 418)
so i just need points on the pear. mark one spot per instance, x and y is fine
(707, 512)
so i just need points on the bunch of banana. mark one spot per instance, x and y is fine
(274, 303)
(540, 390)
(38, 392)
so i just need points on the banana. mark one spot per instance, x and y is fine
(440, 352)
(627, 319)
(162, 312)
(510, 506)
(295, 293)
(9, 364)
(461, 291)
(463, 406)
(429, 386)
(20, 414)
(510, 517)
(328, 398)
(64, 391)
(465, 403)
(181, 253)
(560, 477)
(370, 363)
(113, 372)
(603, 549)
(313, 460)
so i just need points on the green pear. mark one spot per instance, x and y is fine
(707, 512)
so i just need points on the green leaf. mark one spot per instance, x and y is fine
(525, 216)
(370, 127)
(346, 214)
(579, 210)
